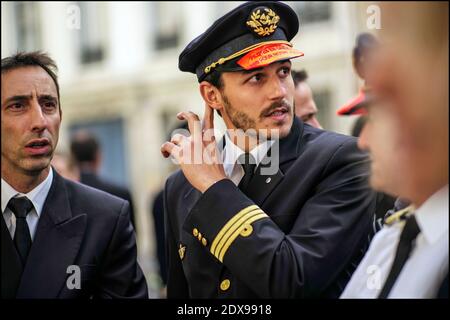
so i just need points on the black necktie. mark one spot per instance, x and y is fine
(22, 238)
(405, 245)
(248, 164)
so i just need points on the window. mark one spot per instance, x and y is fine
(27, 26)
(92, 32)
(167, 24)
(312, 11)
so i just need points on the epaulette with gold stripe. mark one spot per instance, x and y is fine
(399, 215)
(240, 224)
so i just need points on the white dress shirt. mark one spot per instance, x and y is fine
(427, 266)
(37, 196)
(231, 153)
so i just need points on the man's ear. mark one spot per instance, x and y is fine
(211, 95)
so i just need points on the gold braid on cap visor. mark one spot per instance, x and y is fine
(241, 52)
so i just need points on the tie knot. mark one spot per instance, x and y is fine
(248, 162)
(20, 206)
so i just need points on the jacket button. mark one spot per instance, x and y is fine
(225, 285)
(199, 236)
(246, 230)
(204, 242)
(195, 232)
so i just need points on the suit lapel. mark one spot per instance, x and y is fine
(55, 247)
(10, 263)
(269, 174)
(261, 185)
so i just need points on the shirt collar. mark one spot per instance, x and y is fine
(232, 152)
(432, 216)
(37, 196)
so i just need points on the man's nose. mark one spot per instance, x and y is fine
(278, 89)
(37, 117)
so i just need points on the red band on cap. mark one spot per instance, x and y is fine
(265, 55)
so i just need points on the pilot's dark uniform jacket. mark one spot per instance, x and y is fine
(299, 232)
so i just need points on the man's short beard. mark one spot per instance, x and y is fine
(239, 119)
(242, 121)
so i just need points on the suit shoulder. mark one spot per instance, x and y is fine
(327, 138)
(328, 143)
(108, 186)
(94, 200)
(116, 189)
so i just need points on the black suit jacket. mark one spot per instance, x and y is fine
(320, 210)
(78, 226)
(93, 180)
(158, 219)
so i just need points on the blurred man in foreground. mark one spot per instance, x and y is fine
(408, 258)
(363, 54)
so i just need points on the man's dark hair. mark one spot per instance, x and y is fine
(84, 147)
(364, 41)
(299, 76)
(215, 78)
(30, 59)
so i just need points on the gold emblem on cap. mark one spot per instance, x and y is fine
(263, 24)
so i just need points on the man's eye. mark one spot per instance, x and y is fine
(16, 106)
(285, 71)
(256, 78)
(49, 104)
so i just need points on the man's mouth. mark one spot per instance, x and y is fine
(38, 143)
(277, 113)
(38, 146)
